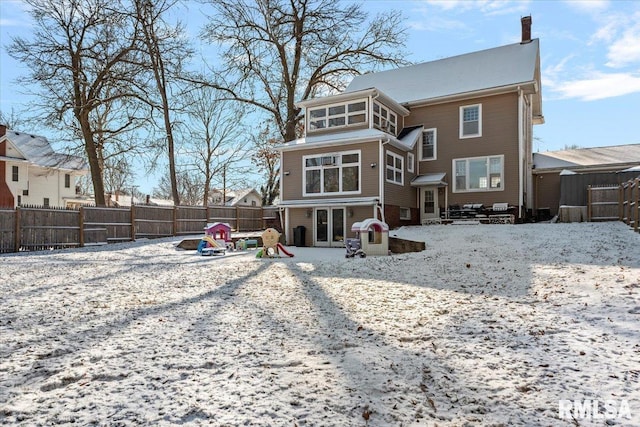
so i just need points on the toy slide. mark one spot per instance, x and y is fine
(212, 242)
(283, 250)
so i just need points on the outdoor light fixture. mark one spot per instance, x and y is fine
(286, 173)
(309, 212)
(373, 165)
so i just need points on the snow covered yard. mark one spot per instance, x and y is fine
(490, 325)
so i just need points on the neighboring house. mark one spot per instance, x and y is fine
(402, 145)
(31, 173)
(243, 197)
(562, 177)
(124, 200)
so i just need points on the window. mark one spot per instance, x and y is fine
(410, 162)
(14, 174)
(395, 168)
(337, 115)
(478, 174)
(336, 173)
(428, 147)
(471, 121)
(384, 119)
(67, 180)
(405, 213)
(46, 202)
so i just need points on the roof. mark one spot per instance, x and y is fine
(406, 143)
(233, 197)
(370, 223)
(621, 156)
(37, 150)
(500, 67)
(429, 179)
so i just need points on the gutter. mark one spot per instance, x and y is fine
(472, 94)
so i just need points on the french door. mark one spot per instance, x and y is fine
(329, 227)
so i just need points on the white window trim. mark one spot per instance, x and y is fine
(321, 167)
(479, 134)
(435, 145)
(478, 190)
(346, 115)
(387, 167)
(408, 210)
(410, 162)
(386, 117)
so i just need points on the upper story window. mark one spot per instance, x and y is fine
(478, 174)
(384, 119)
(334, 173)
(428, 148)
(395, 168)
(471, 121)
(337, 115)
(15, 176)
(67, 180)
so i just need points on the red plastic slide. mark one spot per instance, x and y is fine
(283, 250)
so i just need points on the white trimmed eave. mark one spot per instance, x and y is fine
(387, 139)
(351, 201)
(529, 87)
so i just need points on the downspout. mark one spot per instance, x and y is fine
(381, 173)
(520, 153)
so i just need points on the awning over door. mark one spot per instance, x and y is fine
(429, 179)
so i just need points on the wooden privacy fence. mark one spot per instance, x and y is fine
(615, 203)
(31, 229)
(630, 203)
(603, 203)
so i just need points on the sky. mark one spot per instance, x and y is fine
(590, 56)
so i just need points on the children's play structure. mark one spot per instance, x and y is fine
(372, 238)
(217, 239)
(271, 246)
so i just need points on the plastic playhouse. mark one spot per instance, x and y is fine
(216, 240)
(271, 246)
(372, 238)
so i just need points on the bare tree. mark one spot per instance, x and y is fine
(277, 52)
(11, 120)
(216, 141)
(190, 187)
(267, 158)
(80, 55)
(166, 48)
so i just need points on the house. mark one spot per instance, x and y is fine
(31, 173)
(242, 197)
(562, 177)
(403, 145)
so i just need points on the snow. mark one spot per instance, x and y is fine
(490, 325)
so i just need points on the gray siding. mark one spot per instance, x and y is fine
(292, 162)
(499, 137)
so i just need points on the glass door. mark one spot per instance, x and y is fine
(430, 208)
(329, 227)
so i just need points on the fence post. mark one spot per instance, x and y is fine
(175, 221)
(238, 218)
(589, 200)
(636, 226)
(133, 223)
(621, 202)
(81, 224)
(17, 231)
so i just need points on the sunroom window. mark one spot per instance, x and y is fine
(384, 119)
(337, 115)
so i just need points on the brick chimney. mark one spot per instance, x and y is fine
(526, 29)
